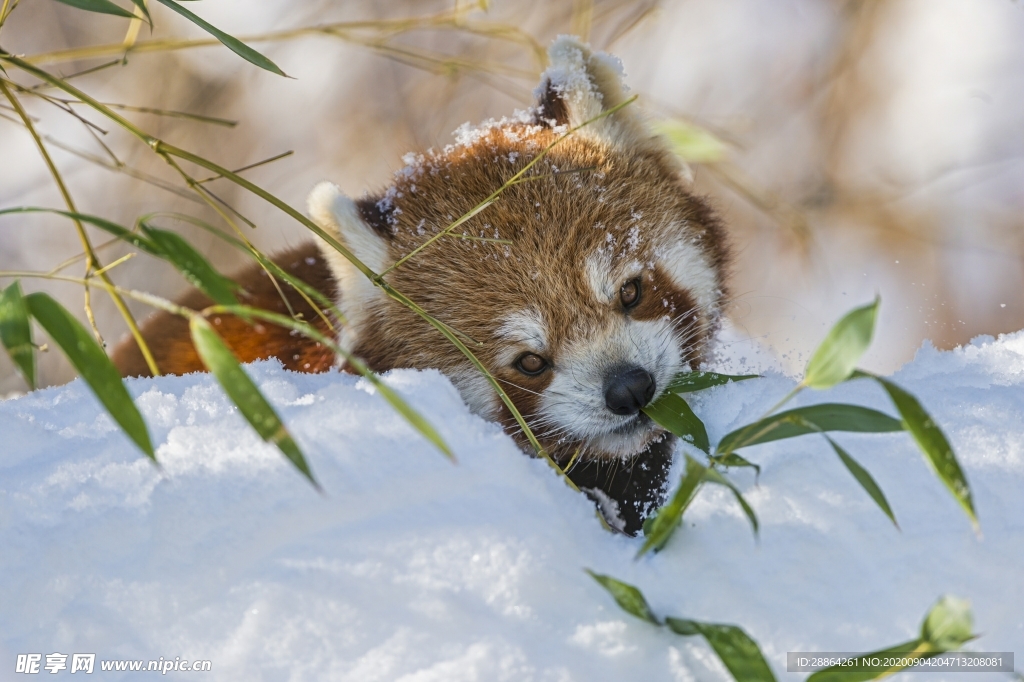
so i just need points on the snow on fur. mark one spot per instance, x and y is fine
(411, 568)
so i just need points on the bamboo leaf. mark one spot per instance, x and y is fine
(915, 649)
(933, 443)
(114, 229)
(192, 265)
(16, 332)
(660, 527)
(865, 479)
(810, 419)
(163, 244)
(836, 358)
(712, 476)
(629, 598)
(737, 651)
(404, 409)
(686, 382)
(141, 4)
(946, 627)
(93, 365)
(407, 412)
(671, 412)
(948, 624)
(101, 6)
(244, 393)
(690, 142)
(316, 297)
(234, 44)
(731, 459)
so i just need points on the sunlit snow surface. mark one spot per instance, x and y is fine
(408, 567)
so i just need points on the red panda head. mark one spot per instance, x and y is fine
(584, 288)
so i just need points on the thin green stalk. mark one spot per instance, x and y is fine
(785, 399)
(164, 150)
(110, 266)
(307, 292)
(446, 231)
(133, 31)
(77, 257)
(208, 198)
(121, 168)
(488, 240)
(342, 30)
(253, 251)
(92, 262)
(250, 166)
(508, 183)
(746, 437)
(140, 296)
(6, 10)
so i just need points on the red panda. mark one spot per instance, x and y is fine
(588, 285)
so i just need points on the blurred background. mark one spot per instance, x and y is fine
(854, 147)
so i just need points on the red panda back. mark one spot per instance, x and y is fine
(171, 344)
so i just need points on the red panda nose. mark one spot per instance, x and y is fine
(627, 392)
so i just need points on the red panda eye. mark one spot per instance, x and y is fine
(629, 294)
(531, 364)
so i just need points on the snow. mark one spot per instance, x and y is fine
(411, 568)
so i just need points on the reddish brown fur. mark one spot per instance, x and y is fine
(618, 193)
(168, 335)
(466, 284)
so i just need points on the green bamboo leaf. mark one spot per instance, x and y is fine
(659, 527)
(810, 419)
(163, 244)
(93, 365)
(933, 443)
(114, 229)
(862, 673)
(141, 4)
(626, 596)
(865, 479)
(16, 332)
(946, 627)
(690, 142)
(731, 459)
(192, 265)
(948, 624)
(836, 358)
(314, 294)
(737, 651)
(244, 393)
(234, 44)
(101, 6)
(672, 413)
(712, 476)
(686, 382)
(404, 409)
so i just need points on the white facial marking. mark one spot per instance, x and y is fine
(338, 215)
(574, 401)
(522, 330)
(603, 280)
(690, 270)
(597, 268)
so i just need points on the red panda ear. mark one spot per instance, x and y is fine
(579, 86)
(343, 220)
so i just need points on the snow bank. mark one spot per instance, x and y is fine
(411, 568)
